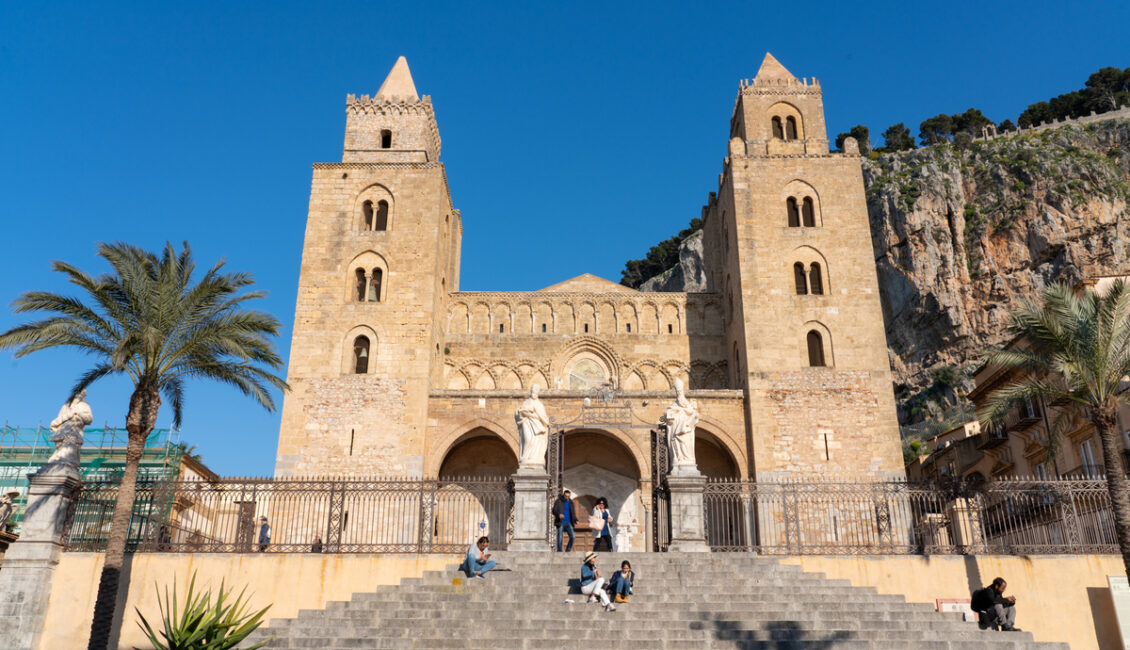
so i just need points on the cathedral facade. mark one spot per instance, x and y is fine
(396, 371)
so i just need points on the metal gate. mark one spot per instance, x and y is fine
(603, 411)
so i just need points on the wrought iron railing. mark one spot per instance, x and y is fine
(384, 515)
(894, 518)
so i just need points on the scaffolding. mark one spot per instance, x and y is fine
(23, 450)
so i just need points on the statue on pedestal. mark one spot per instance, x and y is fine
(67, 431)
(533, 431)
(681, 418)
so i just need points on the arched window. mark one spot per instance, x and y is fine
(381, 222)
(386, 139)
(367, 212)
(360, 355)
(778, 131)
(815, 349)
(809, 213)
(794, 213)
(359, 274)
(798, 277)
(790, 128)
(815, 282)
(375, 285)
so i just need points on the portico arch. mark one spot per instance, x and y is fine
(601, 463)
(447, 442)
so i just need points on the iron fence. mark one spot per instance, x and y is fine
(1013, 517)
(305, 515)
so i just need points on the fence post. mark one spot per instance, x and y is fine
(337, 505)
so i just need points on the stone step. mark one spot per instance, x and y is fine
(681, 601)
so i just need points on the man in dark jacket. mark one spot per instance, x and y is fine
(993, 608)
(565, 514)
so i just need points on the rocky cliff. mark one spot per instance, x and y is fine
(963, 236)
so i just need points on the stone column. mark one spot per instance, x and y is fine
(531, 516)
(688, 516)
(29, 565)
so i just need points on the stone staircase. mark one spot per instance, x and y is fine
(706, 600)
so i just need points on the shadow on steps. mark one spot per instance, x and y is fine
(774, 635)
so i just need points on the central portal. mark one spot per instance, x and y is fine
(596, 464)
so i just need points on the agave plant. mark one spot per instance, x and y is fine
(200, 624)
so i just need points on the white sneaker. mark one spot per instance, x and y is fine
(592, 599)
(610, 607)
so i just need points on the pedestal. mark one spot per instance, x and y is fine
(688, 517)
(531, 516)
(29, 564)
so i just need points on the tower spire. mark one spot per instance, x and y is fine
(770, 70)
(399, 82)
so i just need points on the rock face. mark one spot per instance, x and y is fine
(689, 275)
(963, 236)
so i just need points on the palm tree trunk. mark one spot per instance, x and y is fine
(1104, 421)
(140, 421)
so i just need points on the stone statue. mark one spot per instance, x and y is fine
(533, 431)
(681, 418)
(67, 431)
(7, 508)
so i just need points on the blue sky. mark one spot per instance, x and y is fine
(593, 129)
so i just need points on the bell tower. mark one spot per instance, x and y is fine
(804, 323)
(381, 253)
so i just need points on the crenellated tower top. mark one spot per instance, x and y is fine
(395, 125)
(778, 114)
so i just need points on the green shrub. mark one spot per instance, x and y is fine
(200, 624)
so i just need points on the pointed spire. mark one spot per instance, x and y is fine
(772, 70)
(398, 83)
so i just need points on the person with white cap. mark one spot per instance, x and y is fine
(592, 585)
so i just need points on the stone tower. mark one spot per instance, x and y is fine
(380, 254)
(804, 322)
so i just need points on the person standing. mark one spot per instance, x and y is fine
(565, 514)
(477, 561)
(264, 534)
(993, 608)
(592, 585)
(602, 531)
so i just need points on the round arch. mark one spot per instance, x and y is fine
(366, 262)
(715, 433)
(478, 453)
(783, 111)
(468, 430)
(347, 360)
(607, 463)
(374, 194)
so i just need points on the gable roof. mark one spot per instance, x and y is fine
(588, 283)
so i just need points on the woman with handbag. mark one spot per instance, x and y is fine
(600, 522)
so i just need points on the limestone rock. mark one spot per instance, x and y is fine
(689, 275)
(962, 238)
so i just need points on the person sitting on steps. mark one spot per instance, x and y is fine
(993, 608)
(477, 562)
(622, 582)
(592, 585)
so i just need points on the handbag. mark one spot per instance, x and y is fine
(596, 523)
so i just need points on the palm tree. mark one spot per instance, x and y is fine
(149, 321)
(1074, 352)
